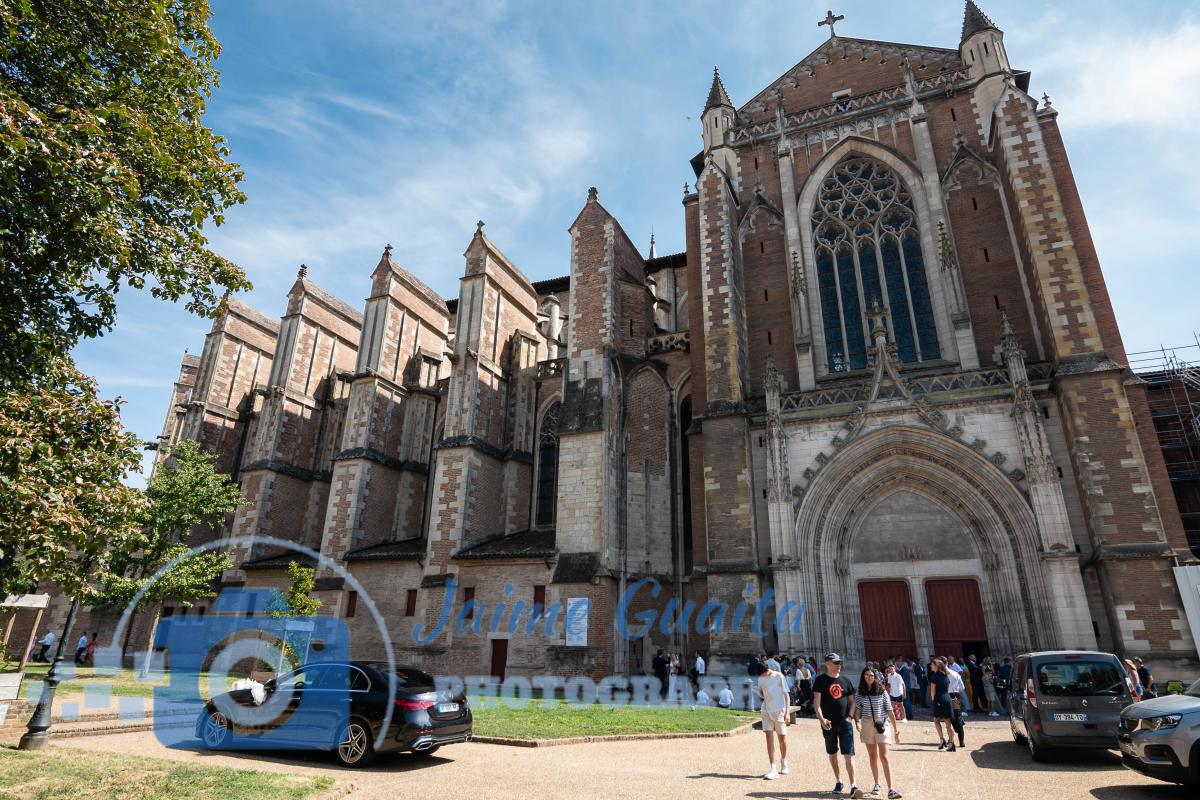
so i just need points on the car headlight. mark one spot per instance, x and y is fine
(1161, 723)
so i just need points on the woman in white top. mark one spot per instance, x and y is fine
(872, 715)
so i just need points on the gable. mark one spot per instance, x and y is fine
(862, 65)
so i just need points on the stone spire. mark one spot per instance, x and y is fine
(974, 21)
(717, 96)
(653, 249)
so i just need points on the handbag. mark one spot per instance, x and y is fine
(955, 703)
(879, 726)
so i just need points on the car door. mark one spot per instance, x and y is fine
(295, 726)
(1016, 697)
(327, 704)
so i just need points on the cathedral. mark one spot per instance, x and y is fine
(884, 384)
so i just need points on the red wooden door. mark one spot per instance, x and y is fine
(887, 620)
(499, 657)
(956, 616)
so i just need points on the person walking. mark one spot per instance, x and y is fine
(958, 669)
(975, 673)
(832, 697)
(872, 713)
(1134, 680)
(90, 656)
(1146, 679)
(958, 704)
(81, 649)
(698, 669)
(46, 643)
(1003, 683)
(989, 686)
(897, 692)
(922, 682)
(659, 667)
(804, 684)
(943, 706)
(771, 689)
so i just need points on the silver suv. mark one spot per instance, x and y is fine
(1161, 737)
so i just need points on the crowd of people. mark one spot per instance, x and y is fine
(85, 648)
(874, 708)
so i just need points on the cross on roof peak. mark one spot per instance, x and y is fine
(830, 20)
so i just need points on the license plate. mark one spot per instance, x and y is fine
(447, 708)
(1070, 717)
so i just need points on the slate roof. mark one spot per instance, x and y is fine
(280, 560)
(524, 544)
(576, 568)
(974, 21)
(404, 550)
(717, 96)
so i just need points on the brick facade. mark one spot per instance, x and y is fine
(414, 443)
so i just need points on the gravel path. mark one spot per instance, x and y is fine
(991, 767)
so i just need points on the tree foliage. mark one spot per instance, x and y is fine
(108, 175)
(65, 515)
(184, 492)
(296, 601)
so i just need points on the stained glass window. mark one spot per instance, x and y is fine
(868, 246)
(547, 468)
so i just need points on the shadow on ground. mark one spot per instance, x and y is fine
(384, 762)
(1009, 755)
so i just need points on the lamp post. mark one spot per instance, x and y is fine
(35, 737)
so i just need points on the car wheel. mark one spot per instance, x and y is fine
(1040, 754)
(426, 753)
(215, 731)
(356, 746)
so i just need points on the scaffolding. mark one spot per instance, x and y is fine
(1172, 377)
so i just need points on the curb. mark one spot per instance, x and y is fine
(337, 791)
(620, 737)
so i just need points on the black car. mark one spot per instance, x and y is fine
(339, 707)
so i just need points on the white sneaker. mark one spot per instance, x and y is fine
(772, 775)
(994, 714)
(783, 768)
(904, 721)
(875, 791)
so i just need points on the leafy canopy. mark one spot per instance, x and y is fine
(185, 491)
(108, 175)
(65, 515)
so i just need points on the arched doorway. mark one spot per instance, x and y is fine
(907, 504)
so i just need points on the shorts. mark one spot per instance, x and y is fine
(774, 721)
(839, 736)
(869, 735)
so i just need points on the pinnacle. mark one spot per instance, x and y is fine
(717, 96)
(974, 21)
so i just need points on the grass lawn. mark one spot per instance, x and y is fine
(50, 775)
(123, 684)
(536, 722)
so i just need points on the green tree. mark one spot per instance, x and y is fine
(297, 601)
(108, 175)
(65, 514)
(185, 491)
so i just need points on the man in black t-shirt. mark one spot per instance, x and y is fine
(1146, 678)
(833, 698)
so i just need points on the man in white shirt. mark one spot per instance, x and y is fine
(702, 698)
(958, 689)
(725, 698)
(81, 648)
(896, 688)
(961, 692)
(771, 688)
(773, 664)
(47, 642)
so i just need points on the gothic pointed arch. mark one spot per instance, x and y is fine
(992, 513)
(545, 498)
(867, 232)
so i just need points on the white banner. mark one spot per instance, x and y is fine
(576, 623)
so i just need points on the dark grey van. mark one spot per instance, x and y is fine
(1067, 698)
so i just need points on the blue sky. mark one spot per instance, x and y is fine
(367, 122)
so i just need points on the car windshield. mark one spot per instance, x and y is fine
(1076, 678)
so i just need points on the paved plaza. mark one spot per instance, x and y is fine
(991, 767)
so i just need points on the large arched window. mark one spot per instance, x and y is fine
(547, 468)
(868, 246)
